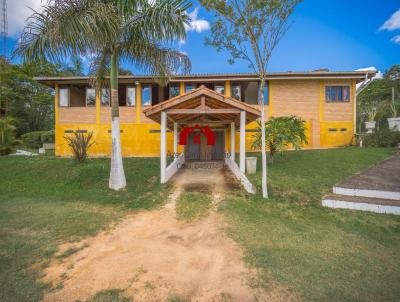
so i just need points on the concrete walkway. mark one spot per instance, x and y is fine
(376, 189)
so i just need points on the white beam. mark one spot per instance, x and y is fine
(233, 141)
(243, 141)
(175, 139)
(163, 147)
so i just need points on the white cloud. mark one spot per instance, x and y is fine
(196, 24)
(392, 23)
(17, 13)
(396, 39)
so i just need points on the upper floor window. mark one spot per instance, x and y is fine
(146, 95)
(90, 97)
(130, 96)
(173, 90)
(337, 93)
(235, 92)
(63, 97)
(189, 87)
(105, 97)
(220, 88)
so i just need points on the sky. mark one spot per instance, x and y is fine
(339, 35)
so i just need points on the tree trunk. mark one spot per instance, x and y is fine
(117, 175)
(263, 151)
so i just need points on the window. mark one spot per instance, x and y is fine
(63, 97)
(105, 97)
(146, 95)
(236, 92)
(173, 90)
(266, 94)
(130, 96)
(189, 87)
(220, 88)
(337, 93)
(90, 97)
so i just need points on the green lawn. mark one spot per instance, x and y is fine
(192, 205)
(45, 201)
(318, 253)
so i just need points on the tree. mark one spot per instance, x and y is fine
(281, 133)
(108, 32)
(7, 135)
(250, 30)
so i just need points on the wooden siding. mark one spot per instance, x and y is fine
(76, 115)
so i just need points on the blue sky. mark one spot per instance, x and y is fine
(339, 35)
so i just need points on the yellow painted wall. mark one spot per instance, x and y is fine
(139, 139)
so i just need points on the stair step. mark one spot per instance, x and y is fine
(379, 194)
(376, 205)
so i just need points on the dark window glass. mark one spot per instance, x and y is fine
(337, 93)
(90, 97)
(130, 96)
(63, 95)
(105, 97)
(173, 91)
(189, 87)
(146, 95)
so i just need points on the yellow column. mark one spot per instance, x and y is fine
(56, 105)
(228, 88)
(98, 93)
(138, 102)
(181, 88)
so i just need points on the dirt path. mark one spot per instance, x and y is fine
(152, 256)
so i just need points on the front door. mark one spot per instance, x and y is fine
(198, 149)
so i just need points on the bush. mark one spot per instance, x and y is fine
(33, 139)
(7, 135)
(48, 137)
(382, 138)
(80, 144)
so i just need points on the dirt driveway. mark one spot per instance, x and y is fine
(151, 255)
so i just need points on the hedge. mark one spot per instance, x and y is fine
(36, 139)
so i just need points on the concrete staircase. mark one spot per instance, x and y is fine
(376, 189)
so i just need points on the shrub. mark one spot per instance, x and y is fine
(382, 138)
(33, 139)
(7, 135)
(47, 137)
(280, 133)
(80, 143)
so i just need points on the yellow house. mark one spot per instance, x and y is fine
(226, 103)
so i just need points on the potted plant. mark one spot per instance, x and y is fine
(371, 113)
(394, 119)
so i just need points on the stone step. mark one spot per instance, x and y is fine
(376, 205)
(390, 195)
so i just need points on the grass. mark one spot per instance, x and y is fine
(45, 201)
(319, 254)
(192, 206)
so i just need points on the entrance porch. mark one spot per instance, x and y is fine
(200, 120)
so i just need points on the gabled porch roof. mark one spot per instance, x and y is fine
(202, 105)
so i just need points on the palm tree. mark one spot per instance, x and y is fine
(108, 32)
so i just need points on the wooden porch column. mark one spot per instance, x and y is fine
(243, 141)
(233, 141)
(163, 147)
(175, 139)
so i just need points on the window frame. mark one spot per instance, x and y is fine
(126, 98)
(151, 94)
(86, 97)
(109, 97)
(68, 96)
(337, 88)
(190, 84)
